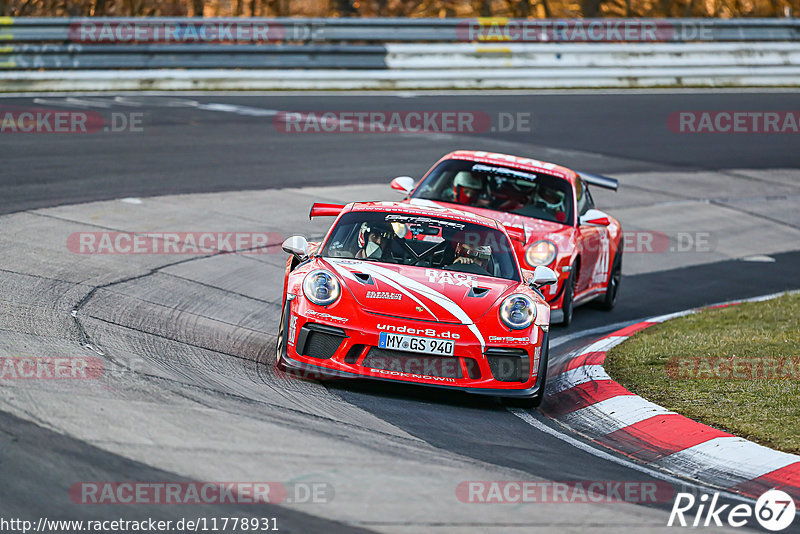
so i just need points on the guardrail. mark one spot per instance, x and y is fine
(192, 56)
(384, 30)
(181, 53)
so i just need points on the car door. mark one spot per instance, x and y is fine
(592, 240)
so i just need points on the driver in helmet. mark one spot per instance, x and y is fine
(373, 240)
(478, 255)
(466, 188)
(553, 201)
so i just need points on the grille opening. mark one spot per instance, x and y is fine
(508, 365)
(319, 341)
(352, 355)
(413, 363)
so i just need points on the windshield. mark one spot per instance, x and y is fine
(431, 242)
(495, 187)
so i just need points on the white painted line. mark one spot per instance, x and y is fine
(104, 104)
(728, 461)
(662, 318)
(770, 296)
(59, 103)
(576, 377)
(239, 110)
(155, 100)
(538, 425)
(122, 101)
(612, 414)
(759, 258)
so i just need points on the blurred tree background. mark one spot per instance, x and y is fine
(403, 8)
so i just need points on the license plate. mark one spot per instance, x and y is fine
(425, 345)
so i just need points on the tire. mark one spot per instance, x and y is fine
(280, 342)
(536, 400)
(568, 303)
(609, 299)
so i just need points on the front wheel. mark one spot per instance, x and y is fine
(280, 342)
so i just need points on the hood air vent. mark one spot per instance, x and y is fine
(477, 291)
(364, 278)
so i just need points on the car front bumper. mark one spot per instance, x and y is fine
(318, 349)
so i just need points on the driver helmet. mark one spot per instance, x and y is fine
(372, 249)
(551, 198)
(466, 187)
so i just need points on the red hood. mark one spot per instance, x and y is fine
(420, 293)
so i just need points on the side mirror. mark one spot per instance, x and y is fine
(403, 183)
(594, 217)
(297, 246)
(543, 276)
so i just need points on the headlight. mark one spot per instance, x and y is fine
(321, 287)
(541, 253)
(517, 312)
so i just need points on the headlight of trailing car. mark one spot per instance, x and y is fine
(518, 311)
(541, 253)
(321, 287)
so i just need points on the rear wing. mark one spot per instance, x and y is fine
(319, 209)
(599, 180)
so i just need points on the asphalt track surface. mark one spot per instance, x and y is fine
(190, 150)
(187, 150)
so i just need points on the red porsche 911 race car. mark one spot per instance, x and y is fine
(416, 294)
(554, 207)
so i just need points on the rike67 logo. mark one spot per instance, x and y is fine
(774, 511)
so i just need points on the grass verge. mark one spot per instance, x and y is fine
(735, 368)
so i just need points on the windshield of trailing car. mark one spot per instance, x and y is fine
(423, 241)
(490, 186)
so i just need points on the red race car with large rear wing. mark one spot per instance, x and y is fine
(550, 203)
(415, 294)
